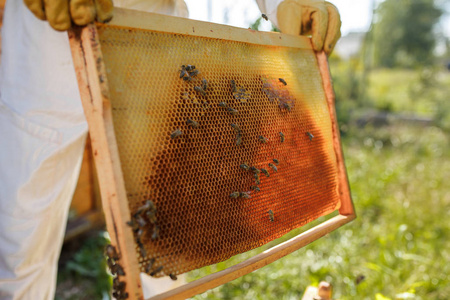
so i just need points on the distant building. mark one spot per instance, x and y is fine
(350, 45)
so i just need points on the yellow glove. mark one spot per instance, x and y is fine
(61, 13)
(318, 18)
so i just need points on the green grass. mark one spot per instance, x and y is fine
(82, 269)
(421, 92)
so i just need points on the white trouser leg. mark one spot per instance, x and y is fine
(38, 176)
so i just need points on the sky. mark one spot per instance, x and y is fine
(356, 15)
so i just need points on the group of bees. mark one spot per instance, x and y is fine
(188, 72)
(146, 213)
(239, 92)
(256, 172)
(116, 269)
(281, 95)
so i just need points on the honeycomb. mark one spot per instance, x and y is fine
(190, 169)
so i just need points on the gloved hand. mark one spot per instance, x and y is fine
(316, 17)
(61, 13)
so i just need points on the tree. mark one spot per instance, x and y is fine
(403, 32)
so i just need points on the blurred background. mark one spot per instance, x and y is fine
(391, 72)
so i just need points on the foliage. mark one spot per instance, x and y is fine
(255, 25)
(351, 94)
(403, 33)
(84, 275)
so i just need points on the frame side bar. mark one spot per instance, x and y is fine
(93, 87)
(347, 207)
(256, 262)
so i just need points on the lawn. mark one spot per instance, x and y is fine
(399, 177)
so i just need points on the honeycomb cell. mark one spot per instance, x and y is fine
(190, 178)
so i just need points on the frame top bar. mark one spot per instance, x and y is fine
(162, 23)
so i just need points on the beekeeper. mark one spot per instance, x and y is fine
(43, 128)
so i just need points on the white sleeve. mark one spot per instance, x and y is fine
(176, 8)
(269, 7)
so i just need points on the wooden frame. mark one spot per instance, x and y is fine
(93, 85)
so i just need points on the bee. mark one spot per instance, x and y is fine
(200, 90)
(282, 136)
(276, 161)
(183, 73)
(271, 215)
(233, 86)
(232, 111)
(151, 216)
(148, 205)
(118, 285)
(139, 233)
(245, 195)
(236, 127)
(140, 221)
(223, 104)
(117, 269)
(176, 133)
(282, 81)
(142, 249)
(309, 134)
(133, 225)
(110, 263)
(255, 188)
(257, 181)
(265, 172)
(205, 84)
(265, 17)
(245, 167)
(192, 123)
(238, 139)
(149, 266)
(188, 68)
(235, 195)
(262, 139)
(111, 252)
(255, 170)
(187, 77)
(193, 73)
(143, 252)
(273, 167)
(360, 278)
(155, 234)
(159, 269)
(119, 295)
(173, 276)
(287, 106)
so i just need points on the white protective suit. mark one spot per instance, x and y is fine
(42, 137)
